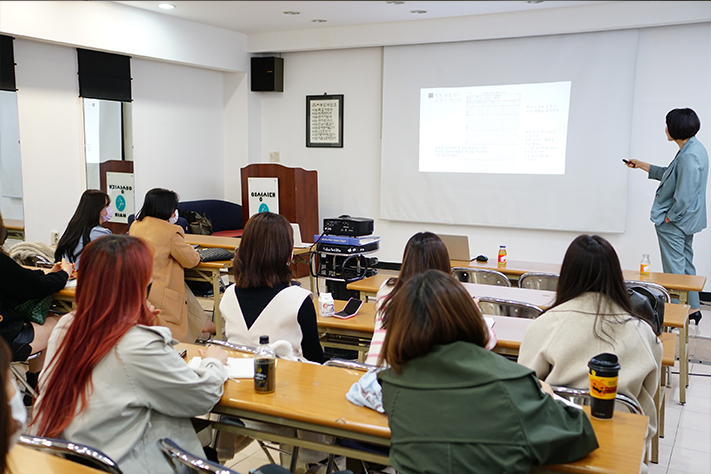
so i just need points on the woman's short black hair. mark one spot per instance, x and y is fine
(159, 203)
(682, 123)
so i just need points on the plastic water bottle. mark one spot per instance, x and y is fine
(264, 367)
(502, 255)
(325, 305)
(644, 266)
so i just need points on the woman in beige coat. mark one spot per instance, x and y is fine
(179, 309)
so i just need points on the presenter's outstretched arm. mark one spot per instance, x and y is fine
(638, 165)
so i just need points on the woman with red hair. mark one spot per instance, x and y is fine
(113, 380)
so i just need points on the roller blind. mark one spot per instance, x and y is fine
(104, 75)
(7, 64)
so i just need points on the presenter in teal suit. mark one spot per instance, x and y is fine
(679, 209)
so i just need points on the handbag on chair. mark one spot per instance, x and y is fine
(649, 305)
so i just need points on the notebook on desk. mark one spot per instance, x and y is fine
(458, 247)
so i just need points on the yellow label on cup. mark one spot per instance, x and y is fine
(604, 388)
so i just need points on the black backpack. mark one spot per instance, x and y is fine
(648, 303)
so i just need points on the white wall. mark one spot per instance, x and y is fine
(51, 137)
(349, 177)
(177, 130)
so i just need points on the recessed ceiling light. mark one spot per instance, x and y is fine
(318, 20)
(394, 3)
(166, 6)
(418, 12)
(291, 12)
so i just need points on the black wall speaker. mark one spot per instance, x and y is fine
(268, 74)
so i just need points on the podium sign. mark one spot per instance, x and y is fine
(120, 189)
(263, 195)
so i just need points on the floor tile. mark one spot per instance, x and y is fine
(665, 454)
(248, 464)
(700, 405)
(687, 460)
(695, 421)
(696, 440)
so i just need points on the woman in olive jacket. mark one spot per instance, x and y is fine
(454, 407)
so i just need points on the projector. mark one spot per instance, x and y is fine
(347, 225)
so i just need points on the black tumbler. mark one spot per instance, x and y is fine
(603, 384)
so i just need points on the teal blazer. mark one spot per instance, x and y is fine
(681, 195)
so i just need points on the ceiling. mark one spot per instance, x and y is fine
(252, 17)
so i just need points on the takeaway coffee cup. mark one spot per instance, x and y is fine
(603, 384)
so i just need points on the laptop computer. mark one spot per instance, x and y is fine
(458, 247)
(298, 244)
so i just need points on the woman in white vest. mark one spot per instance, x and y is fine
(262, 300)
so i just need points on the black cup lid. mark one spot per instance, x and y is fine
(264, 339)
(604, 361)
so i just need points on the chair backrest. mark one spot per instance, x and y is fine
(234, 347)
(178, 457)
(481, 276)
(349, 364)
(582, 397)
(654, 287)
(516, 309)
(78, 453)
(539, 281)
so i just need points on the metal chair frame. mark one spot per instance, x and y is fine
(582, 397)
(651, 286)
(79, 453)
(465, 274)
(232, 346)
(177, 456)
(548, 277)
(510, 305)
(349, 364)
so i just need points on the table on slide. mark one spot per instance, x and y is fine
(312, 397)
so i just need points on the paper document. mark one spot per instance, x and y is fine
(237, 367)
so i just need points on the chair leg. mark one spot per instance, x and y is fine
(294, 459)
(265, 448)
(21, 379)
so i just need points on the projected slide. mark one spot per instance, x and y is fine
(511, 129)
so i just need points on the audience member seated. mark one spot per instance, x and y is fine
(262, 300)
(179, 309)
(593, 314)
(12, 411)
(20, 285)
(85, 225)
(114, 381)
(452, 405)
(424, 251)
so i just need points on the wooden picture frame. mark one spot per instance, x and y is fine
(324, 121)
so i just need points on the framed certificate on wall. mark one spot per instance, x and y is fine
(324, 121)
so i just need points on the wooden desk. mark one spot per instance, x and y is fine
(312, 397)
(24, 460)
(353, 334)
(15, 228)
(513, 268)
(204, 271)
(677, 316)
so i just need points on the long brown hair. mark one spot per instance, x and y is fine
(264, 253)
(430, 309)
(591, 265)
(85, 218)
(424, 251)
(111, 299)
(5, 411)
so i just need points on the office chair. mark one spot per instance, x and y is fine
(481, 276)
(539, 281)
(78, 453)
(516, 309)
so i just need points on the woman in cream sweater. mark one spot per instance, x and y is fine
(592, 314)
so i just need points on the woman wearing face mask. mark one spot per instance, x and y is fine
(93, 210)
(179, 309)
(13, 414)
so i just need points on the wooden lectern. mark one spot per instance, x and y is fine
(298, 198)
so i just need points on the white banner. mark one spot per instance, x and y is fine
(263, 195)
(122, 193)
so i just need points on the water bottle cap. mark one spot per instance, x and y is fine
(264, 339)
